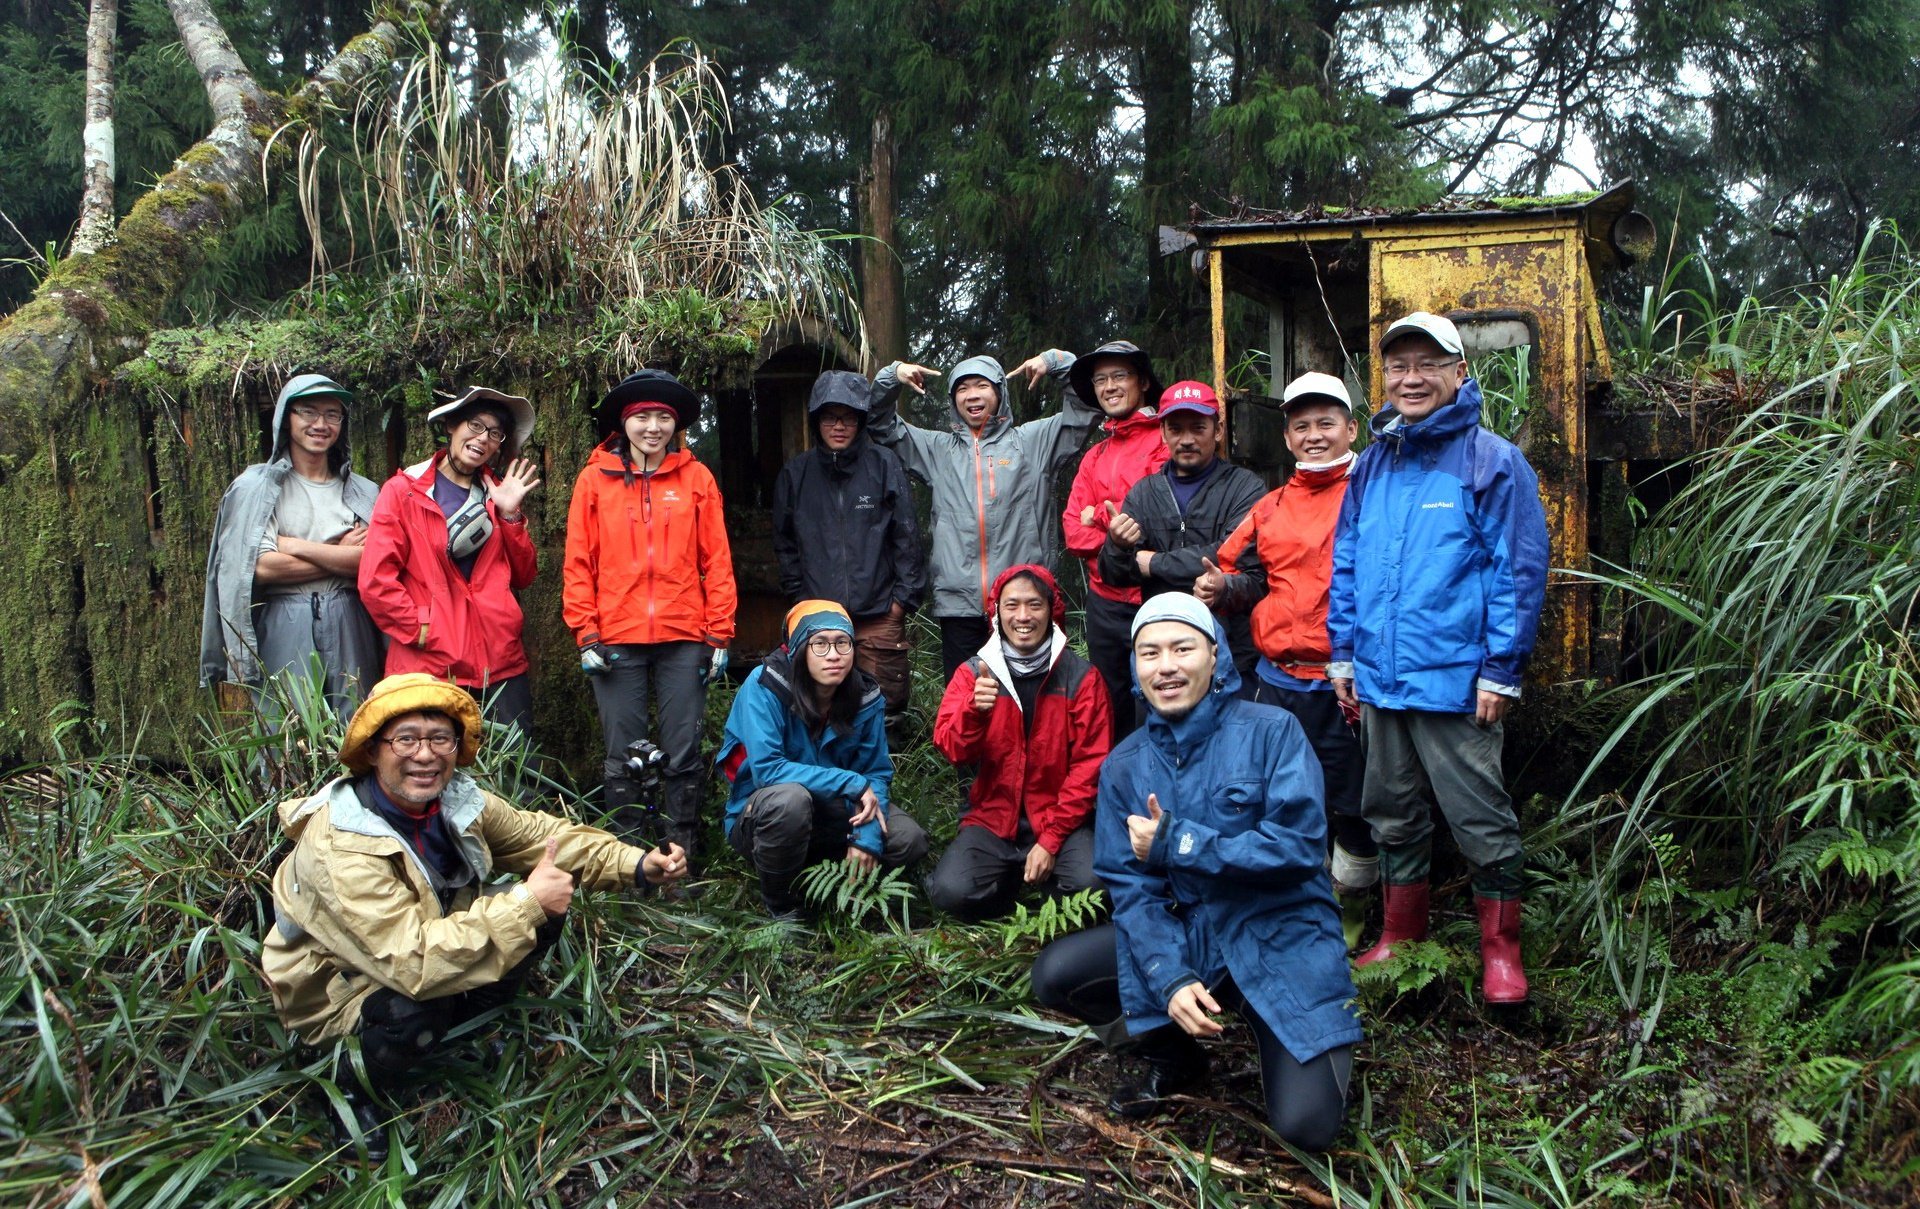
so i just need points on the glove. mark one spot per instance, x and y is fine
(595, 658)
(716, 669)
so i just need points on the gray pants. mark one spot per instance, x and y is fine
(1416, 758)
(333, 628)
(979, 874)
(669, 672)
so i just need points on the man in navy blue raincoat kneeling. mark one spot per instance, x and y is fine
(1210, 835)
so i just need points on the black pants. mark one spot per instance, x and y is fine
(960, 640)
(1110, 649)
(1079, 974)
(979, 874)
(397, 1033)
(783, 830)
(508, 702)
(1342, 760)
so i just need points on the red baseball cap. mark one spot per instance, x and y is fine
(1189, 396)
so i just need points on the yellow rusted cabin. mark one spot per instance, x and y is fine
(1293, 292)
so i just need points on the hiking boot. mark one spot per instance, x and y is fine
(371, 1120)
(1173, 1066)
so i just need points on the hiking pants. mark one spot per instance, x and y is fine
(980, 874)
(1342, 759)
(296, 628)
(1416, 757)
(1110, 649)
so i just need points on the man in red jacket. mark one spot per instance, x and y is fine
(1033, 717)
(1120, 378)
(1292, 531)
(447, 548)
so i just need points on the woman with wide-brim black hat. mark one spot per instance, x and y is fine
(648, 592)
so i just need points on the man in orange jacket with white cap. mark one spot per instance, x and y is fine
(1291, 532)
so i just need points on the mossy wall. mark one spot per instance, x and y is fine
(105, 531)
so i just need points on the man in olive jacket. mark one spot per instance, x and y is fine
(384, 925)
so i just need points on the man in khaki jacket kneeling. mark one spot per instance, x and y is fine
(384, 927)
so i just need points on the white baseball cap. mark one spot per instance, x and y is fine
(1437, 328)
(1316, 388)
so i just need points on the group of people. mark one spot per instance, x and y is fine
(1279, 688)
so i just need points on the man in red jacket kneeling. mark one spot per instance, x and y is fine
(1034, 719)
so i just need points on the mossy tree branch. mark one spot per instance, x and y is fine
(94, 312)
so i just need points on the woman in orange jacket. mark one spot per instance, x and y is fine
(648, 592)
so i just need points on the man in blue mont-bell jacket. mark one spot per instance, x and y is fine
(1211, 836)
(1439, 572)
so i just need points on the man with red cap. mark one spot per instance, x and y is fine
(1033, 719)
(1164, 536)
(1119, 377)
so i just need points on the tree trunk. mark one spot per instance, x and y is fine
(96, 142)
(1166, 187)
(93, 313)
(883, 286)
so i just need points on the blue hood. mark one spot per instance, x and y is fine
(1450, 421)
(1226, 685)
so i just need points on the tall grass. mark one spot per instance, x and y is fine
(1776, 748)
(605, 205)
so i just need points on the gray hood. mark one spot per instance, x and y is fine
(229, 648)
(981, 367)
(340, 457)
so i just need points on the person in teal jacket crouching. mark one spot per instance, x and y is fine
(806, 750)
(1210, 835)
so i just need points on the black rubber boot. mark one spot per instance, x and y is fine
(1175, 1063)
(683, 798)
(368, 1110)
(625, 816)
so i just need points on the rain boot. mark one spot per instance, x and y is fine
(1354, 878)
(780, 891)
(683, 797)
(1175, 1063)
(1496, 899)
(1406, 890)
(1502, 980)
(626, 817)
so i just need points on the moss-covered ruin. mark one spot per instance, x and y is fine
(105, 526)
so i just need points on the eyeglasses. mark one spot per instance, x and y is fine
(480, 428)
(331, 415)
(406, 745)
(830, 646)
(1118, 377)
(1425, 369)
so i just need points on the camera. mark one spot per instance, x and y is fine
(645, 765)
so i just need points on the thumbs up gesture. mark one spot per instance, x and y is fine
(1141, 828)
(552, 886)
(1123, 529)
(1206, 588)
(986, 692)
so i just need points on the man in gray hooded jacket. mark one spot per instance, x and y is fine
(991, 479)
(285, 553)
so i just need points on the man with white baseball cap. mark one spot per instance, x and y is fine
(1290, 533)
(1439, 573)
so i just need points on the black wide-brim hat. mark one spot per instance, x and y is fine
(1080, 377)
(649, 386)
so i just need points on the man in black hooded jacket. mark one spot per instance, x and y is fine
(844, 530)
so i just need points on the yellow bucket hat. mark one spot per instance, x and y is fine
(409, 693)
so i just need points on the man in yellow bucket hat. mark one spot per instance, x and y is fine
(384, 925)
